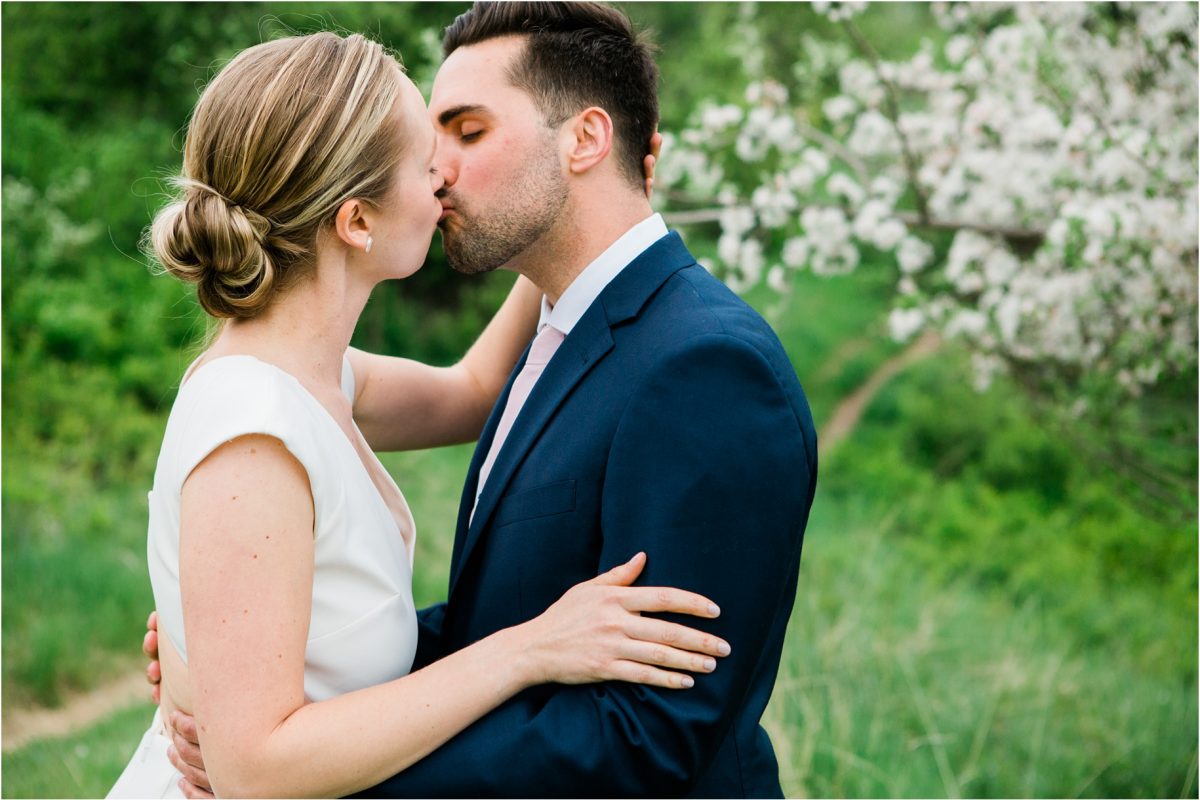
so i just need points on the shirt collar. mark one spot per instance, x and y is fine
(588, 285)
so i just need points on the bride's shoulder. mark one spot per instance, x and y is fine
(233, 382)
(239, 394)
(232, 396)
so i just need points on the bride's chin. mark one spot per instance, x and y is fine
(407, 271)
(411, 265)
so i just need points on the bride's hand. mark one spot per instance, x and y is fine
(650, 161)
(596, 632)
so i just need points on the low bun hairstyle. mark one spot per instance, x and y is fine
(286, 132)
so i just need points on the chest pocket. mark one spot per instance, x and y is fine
(540, 501)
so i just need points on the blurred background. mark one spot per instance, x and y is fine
(998, 593)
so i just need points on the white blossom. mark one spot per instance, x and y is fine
(842, 185)
(795, 252)
(913, 255)
(1056, 142)
(957, 49)
(777, 279)
(873, 135)
(775, 205)
(838, 11)
(904, 323)
(839, 107)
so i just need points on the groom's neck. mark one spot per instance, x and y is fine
(591, 221)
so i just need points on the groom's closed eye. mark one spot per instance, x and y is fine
(470, 130)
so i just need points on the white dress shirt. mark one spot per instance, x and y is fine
(588, 285)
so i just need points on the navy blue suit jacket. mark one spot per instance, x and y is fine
(670, 421)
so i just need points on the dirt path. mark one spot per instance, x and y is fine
(22, 726)
(848, 412)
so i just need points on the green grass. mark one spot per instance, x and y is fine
(85, 764)
(904, 680)
(76, 591)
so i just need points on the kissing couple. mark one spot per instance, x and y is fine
(648, 456)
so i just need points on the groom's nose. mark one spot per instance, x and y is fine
(444, 162)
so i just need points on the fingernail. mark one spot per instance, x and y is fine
(688, 682)
(724, 649)
(710, 664)
(714, 609)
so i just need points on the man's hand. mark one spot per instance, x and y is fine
(184, 754)
(649, 161)
(150, 648)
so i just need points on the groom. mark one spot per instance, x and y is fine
(654, 411)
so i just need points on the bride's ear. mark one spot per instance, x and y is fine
(353, 224)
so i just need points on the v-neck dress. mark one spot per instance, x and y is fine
(363, 627)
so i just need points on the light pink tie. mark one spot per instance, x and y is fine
(540, 352)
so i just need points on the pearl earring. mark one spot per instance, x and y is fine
(370, 242)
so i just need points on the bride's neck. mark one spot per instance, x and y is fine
(305, 330)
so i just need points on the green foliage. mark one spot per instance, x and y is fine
(981, 491)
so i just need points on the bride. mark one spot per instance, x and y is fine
(277, 541)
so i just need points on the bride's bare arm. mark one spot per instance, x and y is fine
(246, 569)
(401, 404)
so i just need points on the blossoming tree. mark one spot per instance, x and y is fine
(1033, 175)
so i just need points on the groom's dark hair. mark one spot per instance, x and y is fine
(577, 55)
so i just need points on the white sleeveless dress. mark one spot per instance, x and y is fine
(363, 629)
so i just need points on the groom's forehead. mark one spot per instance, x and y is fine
(476, 74)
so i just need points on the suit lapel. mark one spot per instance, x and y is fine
(587, 344)
(580, 351)
(477, 458)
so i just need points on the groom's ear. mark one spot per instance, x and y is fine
(351, 223)
(590, 139)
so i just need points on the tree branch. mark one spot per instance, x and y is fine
(893, 113)
(1021, 238)
(838, 149)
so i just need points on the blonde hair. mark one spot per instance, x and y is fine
(285, 133)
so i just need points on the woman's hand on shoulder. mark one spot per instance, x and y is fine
(651, 161)
(596, 632)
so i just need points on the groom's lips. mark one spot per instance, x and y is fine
(446, 212)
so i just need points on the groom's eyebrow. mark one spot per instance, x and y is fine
(449, 115)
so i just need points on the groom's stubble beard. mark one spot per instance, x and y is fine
(477, 242)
